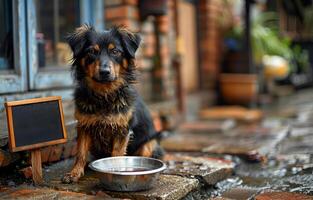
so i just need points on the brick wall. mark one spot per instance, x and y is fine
(155, 80)
(161, 80)
(210, 41)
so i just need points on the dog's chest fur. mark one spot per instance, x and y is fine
(104, 117)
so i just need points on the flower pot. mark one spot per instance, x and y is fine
(239, 88)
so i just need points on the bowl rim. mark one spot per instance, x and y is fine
(162, 168)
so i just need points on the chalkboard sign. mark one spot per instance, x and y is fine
(35, 123)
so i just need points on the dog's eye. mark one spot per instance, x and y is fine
(92, 51)
(115, 52)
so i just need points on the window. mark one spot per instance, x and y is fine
(33, 52)
(48, 24)
(6, 35)
(13, 50)
(55, 19)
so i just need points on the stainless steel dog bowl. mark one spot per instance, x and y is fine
(127, 173)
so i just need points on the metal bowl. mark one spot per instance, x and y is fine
(127, 173)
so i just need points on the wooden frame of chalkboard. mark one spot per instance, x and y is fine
(10, 120)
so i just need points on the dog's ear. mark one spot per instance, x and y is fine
(79, 38)
(130, 41)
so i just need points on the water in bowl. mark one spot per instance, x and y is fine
(129, 169)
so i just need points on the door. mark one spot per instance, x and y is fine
(188, 32)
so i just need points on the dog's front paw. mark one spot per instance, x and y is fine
(71, 178)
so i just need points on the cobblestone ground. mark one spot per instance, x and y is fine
(224, 159)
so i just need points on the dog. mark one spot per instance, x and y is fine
(112, 118)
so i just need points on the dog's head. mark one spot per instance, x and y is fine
(103, 58)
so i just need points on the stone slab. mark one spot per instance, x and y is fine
(168, 187)
(28, 192)
(240, 193)
(282, 195)
(211, 170)
(299, 183)
(252, 143)
(297, 145)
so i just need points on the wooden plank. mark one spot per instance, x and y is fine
(10, 126)
(36, 166)
(62, 119)
(30, 101)
(39, 145)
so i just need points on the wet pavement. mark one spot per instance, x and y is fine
(271, 158)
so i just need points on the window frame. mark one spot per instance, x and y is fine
(15, 80)
(91, 12)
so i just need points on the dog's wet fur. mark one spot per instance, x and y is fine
(112, 119)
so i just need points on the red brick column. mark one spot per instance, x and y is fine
(210, 41)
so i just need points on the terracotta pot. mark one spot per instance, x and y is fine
(239, 88)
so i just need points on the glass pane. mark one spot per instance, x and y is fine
(6, 35)
(55, 19)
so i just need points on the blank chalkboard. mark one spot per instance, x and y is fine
(35, 123)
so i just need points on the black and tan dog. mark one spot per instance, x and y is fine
(112, 118)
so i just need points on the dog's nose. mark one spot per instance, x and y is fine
(104, 71)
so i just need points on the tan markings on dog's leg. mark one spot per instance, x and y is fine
(83, 145)
(146, 150)
(120, 146)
